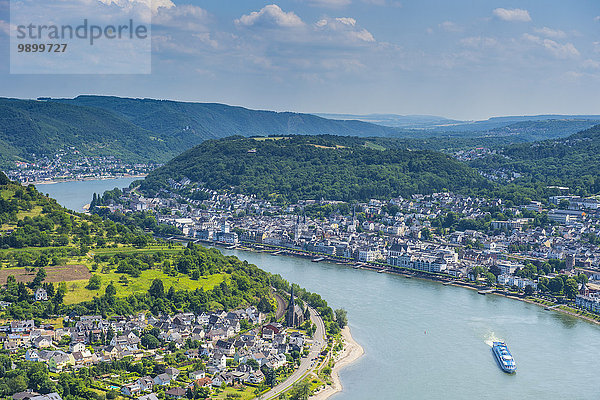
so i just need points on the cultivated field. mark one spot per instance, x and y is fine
(57, 273)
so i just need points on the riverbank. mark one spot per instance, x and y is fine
(91, 178)
(351, 352)
(435, 278)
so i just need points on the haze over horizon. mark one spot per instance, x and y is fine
(461, 61)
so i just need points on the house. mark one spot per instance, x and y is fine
(41, 295)
(49, 396)
(162, 380)
(256, 377)
(226, 347)
(172, 372)
(11, 345)
(32, 355)
(195, 375)
(59, 360)
(146, 383)
(203, 382)
(150, 396)
(220, 379)
(175, 393)
(21, 326)
(131, 389)
(41, 342)
(76, 346)
(26, 395)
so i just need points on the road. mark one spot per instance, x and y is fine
(306, 365)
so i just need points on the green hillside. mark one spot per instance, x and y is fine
(571, 161)
(37, 127)
(91, 265)
(315, 167)
(193, 123)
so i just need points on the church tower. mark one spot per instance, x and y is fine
(290, 319)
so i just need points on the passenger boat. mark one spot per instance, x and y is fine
(504, 358)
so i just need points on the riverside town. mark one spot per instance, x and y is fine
(299, 200)
(549, 255)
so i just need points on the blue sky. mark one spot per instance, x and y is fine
(454, 58)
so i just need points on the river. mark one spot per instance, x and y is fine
(74, 195)
(426, 340)
(423, 340)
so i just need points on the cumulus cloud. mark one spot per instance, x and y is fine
(269, 16)
(346, 27)
(450, 26)
(183, 17)
(512, 14)
(559, 50)
(551, 33)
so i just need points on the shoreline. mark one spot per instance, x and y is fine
(351, 352)
(454, 283)
(102, 178)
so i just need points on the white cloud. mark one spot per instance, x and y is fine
(479, 42)
(562, 51)
(551, 33)
(4, 27)
(183, 17)
(512, 14)
(345, 27)
(591, 64)
(270, 15)
(597, 18)
(154, 5)
(450, 26)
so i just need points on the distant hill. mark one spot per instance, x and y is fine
(37, 127)
(193, 123)
(315, 167)
(571, 161)
(397, 121)
(512, 129)
(145, 129)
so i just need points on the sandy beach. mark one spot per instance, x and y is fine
(352, 351)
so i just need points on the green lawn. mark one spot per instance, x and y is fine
(246, 394)
(76, 291)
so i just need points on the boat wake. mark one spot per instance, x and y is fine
(491, 338)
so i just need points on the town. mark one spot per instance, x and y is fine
(523, 249)
(70, 164)
(183, 355)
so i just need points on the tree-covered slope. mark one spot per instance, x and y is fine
(573, 161)
(39, 127)
(195, 122)
(315, 167)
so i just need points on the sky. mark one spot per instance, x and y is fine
(463, 59)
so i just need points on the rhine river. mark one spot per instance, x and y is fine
(423, 340)
(74, 195)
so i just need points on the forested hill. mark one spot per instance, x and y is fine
(43, 128)
(145, 130)
(314, 167)
(573, 161)
(195, 122)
